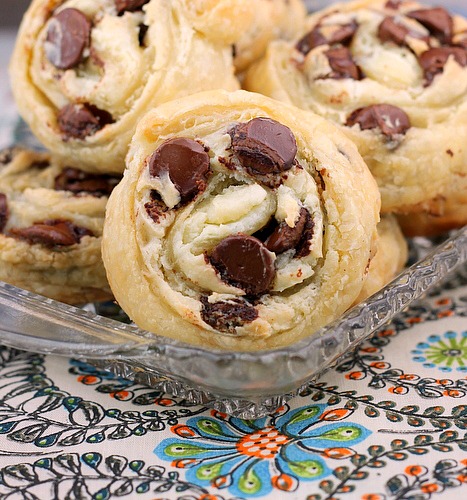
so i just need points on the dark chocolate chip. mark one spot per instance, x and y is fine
(187, 164)
(129, 5)
(7, 155)
(462, 42)
(433, 60)
(79, 121)
(155, 208)
(227, 316)
(4, 212)
(342, 64)
(79, 182)
(51, 233)
(243, 261)
(68, 34)
(303, 247)
(143, 29)
(340, 33)
(264, 146)
(390, 30)
(391, 120)
(284, 237)
(437, 21)
(393, 4)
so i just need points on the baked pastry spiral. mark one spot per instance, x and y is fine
(237, 224)
(391, 254)
(51, 219)
(270, 20)
(84, 72)
(393, 75)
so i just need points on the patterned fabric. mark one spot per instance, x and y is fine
(389, 422)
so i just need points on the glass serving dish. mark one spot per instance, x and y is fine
(247, 385)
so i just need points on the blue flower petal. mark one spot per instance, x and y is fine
(331, 435)
(252, 479)
(304, 465)
(213, 429)
(300, 418)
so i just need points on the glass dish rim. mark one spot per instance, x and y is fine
(128, 351)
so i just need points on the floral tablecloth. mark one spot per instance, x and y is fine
(388, 422)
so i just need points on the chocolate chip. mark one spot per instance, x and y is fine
(79, 182)
(143, 29)
(68, 34)
(284, 237)
(342, 64)
(129, 5)
(51, 233)
(243, 261)
(7, 155)
(303, 247)
(79, 121)
(461, 41)
(393, 4)
(155, 208)
(4, 212)
(264, 146)
(391, 30)
(437, 21)
(391, 120)
(433, 60)
(340, 33)
(187, 164)
(227, 316)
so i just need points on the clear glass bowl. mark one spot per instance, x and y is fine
(247, 385)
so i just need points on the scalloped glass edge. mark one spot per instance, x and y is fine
(246, 385)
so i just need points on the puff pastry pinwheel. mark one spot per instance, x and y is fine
(51, 219)
(83, 72)
(393, 75)
(271, 20)
(238, 223)
(389, 259)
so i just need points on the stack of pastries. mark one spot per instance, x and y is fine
(234, 220)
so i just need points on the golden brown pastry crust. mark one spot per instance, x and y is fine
(117, 74)
(390, 257)
(29, 192)
(412, 167)
(160, 251)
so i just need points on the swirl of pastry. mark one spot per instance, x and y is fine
(240, 222)
(393, 75)
(84, 71)
(51, 219)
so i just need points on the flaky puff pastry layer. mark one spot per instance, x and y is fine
(390, 257)
(414, 167)
(37, 201)
(160, 251)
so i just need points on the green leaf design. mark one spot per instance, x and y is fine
(210, 427)
(185, 450)
(345, 433)
(209, 471)
(249, 482)
(423, 439)
(307, 468)
(393, 417)
(371, 412)
(305, 414)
